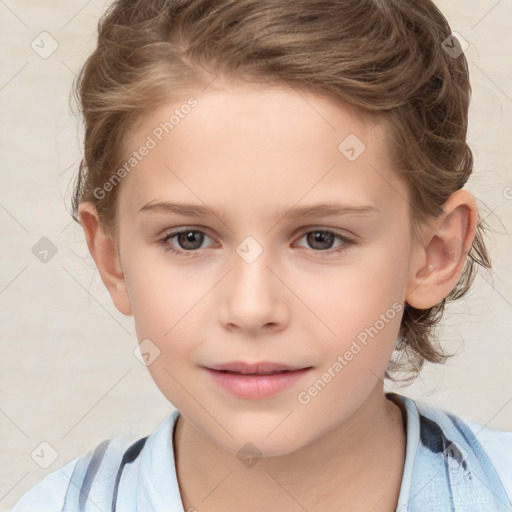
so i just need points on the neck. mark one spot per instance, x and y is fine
(357, 464)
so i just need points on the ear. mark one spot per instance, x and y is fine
(441, 252)
(103, 250)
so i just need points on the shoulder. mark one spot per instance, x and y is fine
(491, 446)
(91, 481)
(497, 444)
(72, 482)
(49, 494)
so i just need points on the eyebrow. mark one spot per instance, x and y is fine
(319, 210)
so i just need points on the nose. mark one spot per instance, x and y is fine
(253, 299)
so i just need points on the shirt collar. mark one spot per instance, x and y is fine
(412, 433)
(158, 487)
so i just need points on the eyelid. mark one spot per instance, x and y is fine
(349, 235)
(169, 232)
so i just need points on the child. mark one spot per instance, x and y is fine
(317, 150)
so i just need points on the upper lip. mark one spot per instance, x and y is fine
(260, 367)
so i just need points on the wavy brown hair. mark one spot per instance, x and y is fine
(385, 58)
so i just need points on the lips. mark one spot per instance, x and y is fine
(256, 381)
(261, 368)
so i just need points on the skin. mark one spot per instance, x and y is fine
(252, 153)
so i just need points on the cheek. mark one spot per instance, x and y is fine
(351, 297)
(164, 309)
(360, 307)
(162, 295)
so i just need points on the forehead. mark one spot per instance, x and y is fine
(276, 144)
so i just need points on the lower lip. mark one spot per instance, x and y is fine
(256, 386)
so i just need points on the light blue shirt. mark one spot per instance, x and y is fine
(451, 465)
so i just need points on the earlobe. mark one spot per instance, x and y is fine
(103, 250)
(442, 252)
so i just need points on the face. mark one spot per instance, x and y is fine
(295, 249)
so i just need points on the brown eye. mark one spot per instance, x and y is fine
(320, 240)
(190, 240)
(325, 240)
(185, 242)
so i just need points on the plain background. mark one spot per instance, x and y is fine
(69, 375)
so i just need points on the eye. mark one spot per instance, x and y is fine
(324, 239)
(188, 240)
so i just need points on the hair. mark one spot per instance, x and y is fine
(385, 58)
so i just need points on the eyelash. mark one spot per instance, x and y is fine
(347, 242)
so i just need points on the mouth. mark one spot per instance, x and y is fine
(256, 381)
(261, 368)
(254, 373)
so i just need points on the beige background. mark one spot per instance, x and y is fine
(69, 376)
